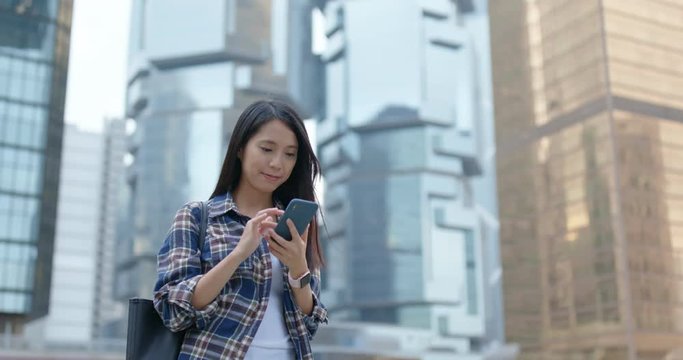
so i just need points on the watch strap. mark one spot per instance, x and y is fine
(301, 282)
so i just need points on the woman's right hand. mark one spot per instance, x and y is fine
(211, 283)
(254, 230)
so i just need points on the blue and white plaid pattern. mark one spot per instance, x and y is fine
(225, 328)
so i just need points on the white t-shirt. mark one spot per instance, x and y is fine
(272, 338)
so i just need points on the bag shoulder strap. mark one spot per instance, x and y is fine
(203, 220)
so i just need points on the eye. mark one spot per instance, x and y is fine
(264, 149)
(292, 155)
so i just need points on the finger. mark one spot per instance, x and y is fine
(280, 256)
(268, 223)
(262, 211)
(265, 226)
(266, 230)
(256, 220)
(264, 215)
(293, 230)
(277, 246)
(304, 237)
(271, 211)
(275, 236)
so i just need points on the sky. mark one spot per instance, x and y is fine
(96, 85)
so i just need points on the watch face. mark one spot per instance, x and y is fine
(306, 280)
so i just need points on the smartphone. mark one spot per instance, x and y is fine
(301, 212)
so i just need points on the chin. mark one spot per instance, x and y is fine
(268, 188)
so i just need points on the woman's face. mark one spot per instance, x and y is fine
(269, 157)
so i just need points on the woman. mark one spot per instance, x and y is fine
(248, 293)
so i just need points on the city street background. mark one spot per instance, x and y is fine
(502, 179)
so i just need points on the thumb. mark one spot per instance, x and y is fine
(304, 237)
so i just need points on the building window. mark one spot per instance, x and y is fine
(443, 325)
(471, 272)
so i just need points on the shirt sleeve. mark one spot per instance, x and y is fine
(178, 271)
(319, 314)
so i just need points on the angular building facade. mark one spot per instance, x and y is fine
(34, 52)
(406, 144)
(589, 128)
(192, 70)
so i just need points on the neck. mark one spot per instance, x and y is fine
(249, 201)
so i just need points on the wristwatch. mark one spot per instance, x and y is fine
(302, 281)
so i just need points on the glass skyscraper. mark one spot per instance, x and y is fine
(192, 70)
(406, 144)
(34, 50)
(589, 126)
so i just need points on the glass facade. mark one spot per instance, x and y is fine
(192, 70)
(412, 229)
(34, 47)
(588, 124)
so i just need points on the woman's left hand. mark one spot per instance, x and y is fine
(291, 253)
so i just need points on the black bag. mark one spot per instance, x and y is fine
(148, 338)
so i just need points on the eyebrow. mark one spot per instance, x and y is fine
(271, 142)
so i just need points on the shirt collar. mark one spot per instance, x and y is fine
(222, 204)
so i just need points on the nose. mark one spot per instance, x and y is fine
(276, 162)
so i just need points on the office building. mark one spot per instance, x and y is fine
(34, 52)
(108, 311)
(589, 143)
(74, 268)
(406, 144)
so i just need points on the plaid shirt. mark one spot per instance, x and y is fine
(225, 328)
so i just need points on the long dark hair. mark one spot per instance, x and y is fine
(305, 172)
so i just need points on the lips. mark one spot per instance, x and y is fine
(271, 178)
